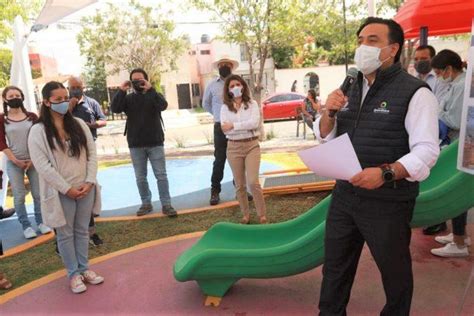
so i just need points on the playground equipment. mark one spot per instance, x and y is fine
(229, 252)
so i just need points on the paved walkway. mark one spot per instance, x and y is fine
(140, 282)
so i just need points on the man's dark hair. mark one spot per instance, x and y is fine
(395, 32)
(428, 47)
(140, 71)
(447, 58)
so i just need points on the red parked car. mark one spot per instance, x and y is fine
(282, 106)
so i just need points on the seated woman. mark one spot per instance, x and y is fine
(240, 121)
(448, 66)
(310, 108)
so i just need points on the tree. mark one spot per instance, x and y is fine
(10, 9)
(283, 56)
(129, 37)
(5, 65)
(258, 25)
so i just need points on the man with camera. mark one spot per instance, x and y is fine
(145, 137)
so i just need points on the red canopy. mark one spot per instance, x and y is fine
(442, 17)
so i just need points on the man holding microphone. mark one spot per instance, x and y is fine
(391, 119)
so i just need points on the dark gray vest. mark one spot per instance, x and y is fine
(377, 128)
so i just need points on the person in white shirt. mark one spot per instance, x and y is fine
(423, 56)
(391, 119)
(449, 67)
(240, 121)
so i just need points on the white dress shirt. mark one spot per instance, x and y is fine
(421, 123)
(439, 88)
(246, 121)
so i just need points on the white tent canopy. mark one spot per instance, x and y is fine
(54, 10)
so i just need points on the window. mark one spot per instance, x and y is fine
(296, 97)
(205, 52)
(196, 90)
(192, 52)
(243, 53)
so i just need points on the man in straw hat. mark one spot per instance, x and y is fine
(212, 103)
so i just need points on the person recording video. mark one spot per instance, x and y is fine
(145, 137)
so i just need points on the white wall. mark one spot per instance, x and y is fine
(330, 78)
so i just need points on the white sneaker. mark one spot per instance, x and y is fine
(29, 233)
(44, 229)
(92, 278)
(77, 284)
(449, 239)
(451, 250)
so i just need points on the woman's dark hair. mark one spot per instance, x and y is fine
(313, 94)
(73, 129)
(395, 32)
(228, 98)
(140, 71)
(447, 58)
(5, 106)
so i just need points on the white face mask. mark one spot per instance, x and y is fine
(367, 58)
(236, 91)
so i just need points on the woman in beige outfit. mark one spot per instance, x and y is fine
(63, 152)
(240, 120)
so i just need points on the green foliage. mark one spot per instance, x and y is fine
(259, 26)
(95, 80)
(5, 65)
(123, 38)
(283, 56)
(10, 9)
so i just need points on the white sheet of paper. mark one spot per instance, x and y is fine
(335, 159)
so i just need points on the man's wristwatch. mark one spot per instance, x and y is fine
(388, 174)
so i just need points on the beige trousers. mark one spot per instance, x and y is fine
(244, 160)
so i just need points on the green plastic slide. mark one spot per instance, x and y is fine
(229, 252)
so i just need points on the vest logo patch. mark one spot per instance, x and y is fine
(382, 108)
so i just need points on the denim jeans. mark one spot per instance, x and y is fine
(156, 155)
(16, 176)
(73, 238)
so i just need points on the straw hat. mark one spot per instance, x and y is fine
(227, 59)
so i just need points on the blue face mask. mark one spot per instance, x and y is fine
(61, 107)
(236, 91)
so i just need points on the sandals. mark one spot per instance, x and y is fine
(4, 283)
(245, 220)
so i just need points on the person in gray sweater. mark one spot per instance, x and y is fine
(63, 151)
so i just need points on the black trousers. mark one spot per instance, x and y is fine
(220, 149)
(384, 225)
(459, 224)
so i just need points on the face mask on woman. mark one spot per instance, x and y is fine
(367, 58)
(15, 103)
(236, 91)
(445, 80)
(61, 107)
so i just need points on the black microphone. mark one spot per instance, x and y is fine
(350, 78)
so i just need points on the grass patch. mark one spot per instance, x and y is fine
(42, 260)
(199, 109)
(113, 163)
